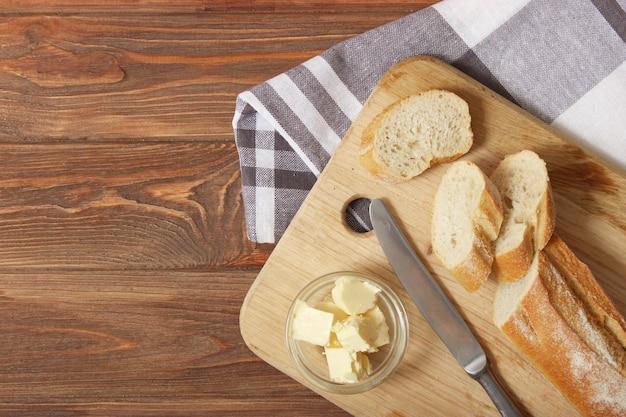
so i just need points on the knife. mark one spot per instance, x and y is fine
(436, 307)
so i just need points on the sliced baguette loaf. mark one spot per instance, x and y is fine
(415, 133)
(559, 316)
(467, 215)
(529, 214)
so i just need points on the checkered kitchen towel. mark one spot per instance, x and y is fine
(562, 60)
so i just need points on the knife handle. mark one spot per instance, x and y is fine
(503, 402)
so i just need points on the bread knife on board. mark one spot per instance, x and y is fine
(436, 307)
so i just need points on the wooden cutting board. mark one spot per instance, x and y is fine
(591, 218)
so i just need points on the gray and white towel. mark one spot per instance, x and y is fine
(562, 60)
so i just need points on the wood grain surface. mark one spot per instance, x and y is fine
(123, 255)
(590, 200)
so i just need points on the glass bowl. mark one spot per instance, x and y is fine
(309, 359)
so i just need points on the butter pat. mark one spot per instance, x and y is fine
(357, 334)
(330, 307)
(311, 325)
(345, 366)
(382, 329)
(353, 295)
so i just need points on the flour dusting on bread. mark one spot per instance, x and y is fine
(543, 317)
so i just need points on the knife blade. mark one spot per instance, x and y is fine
(436, 307)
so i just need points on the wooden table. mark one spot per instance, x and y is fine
(123, 254)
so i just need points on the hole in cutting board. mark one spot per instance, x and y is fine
(357, 215)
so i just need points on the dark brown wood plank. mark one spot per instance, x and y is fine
(122, 206)
(123, 254)
(207, 6)
(159, 343)
(163, 77)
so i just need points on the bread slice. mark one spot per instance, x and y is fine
(529, 213)
(559, 316)
(466, 218)
(415, 133)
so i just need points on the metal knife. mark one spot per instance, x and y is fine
(436, 307)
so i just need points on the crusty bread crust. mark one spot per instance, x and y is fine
(546, 218)
(602, 314)
(558, 331)
(513, 174)
(417, 151)
(510, 265)
(489, 216)
(474, 269)
(367, 154)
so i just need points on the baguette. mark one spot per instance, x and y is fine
(603, 315)
(547, 301)
(467, 214)
(559, 316)
(415, 133)
(529, 213)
